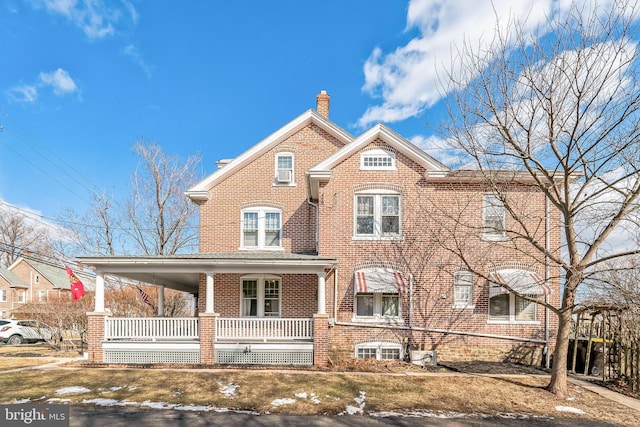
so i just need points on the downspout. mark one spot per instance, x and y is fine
(410, 301)
(547, 276)
(335, 295)
(315, 205)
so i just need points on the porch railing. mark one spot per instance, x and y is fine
(160, 328)
(264, 329)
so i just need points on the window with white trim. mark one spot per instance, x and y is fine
(377, 159)
(493, 218)
(37, 278)
(377, 305)
(260, 296)
(462, 289)
(378, 351)
(284, 169)
(42, 296)
(261, 228)
(21, 296)
(3, 295)
(377, 215)
(512, 308)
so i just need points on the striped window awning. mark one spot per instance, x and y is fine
(379, 280)
(523, 282)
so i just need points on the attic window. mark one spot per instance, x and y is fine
(377, 160)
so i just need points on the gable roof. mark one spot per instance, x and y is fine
(56, 274)
(12, 279)
(323, 170)
(200, 191)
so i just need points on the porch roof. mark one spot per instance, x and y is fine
(182, 272)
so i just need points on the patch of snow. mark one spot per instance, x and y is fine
(302, 395)
(285, 401)
(311, 396)
(75, 389)
(104, 402)
(360, 400)
(571, 398)
(158, 405)
(20, 401)
(116, 388)
(352, 410)
(570, 409)
(193, 408)
(57, 399)
(230, 389)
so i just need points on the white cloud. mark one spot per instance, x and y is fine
(60, 81)
(96, 18)
(407, 79)
(134, 53)
(23, 93)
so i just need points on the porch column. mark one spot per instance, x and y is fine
(99, 302)
(209, 294)
(322, 303)
(160, 301)
(208, 338)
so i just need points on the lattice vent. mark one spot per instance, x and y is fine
(226, 357)
(141, 356)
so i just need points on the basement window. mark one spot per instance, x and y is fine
(378, 351)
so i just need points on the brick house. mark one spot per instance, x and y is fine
(28, 281)
(316, 245)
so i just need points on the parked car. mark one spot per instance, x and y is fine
(17, 331)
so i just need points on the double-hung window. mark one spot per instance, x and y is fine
(493, 218)
(462, 289)
(377, 215)
(284, 169)
(260, 296)
(261, 228)
(42, 296)
(376, 305)
(509, 307)
(3, 295)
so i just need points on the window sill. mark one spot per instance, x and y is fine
(268, 249)
(463, 306)
(492, 238)
(513, 322)
(378, 238)
(291, 184)
(379, 320)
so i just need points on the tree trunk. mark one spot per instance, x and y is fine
(558, 383)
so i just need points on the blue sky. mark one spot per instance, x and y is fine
(81, 80)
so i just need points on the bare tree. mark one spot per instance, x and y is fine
(559, 108)
(21, 235)
(160, 218)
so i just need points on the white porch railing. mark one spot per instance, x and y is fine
(151, 329)
(264, 329)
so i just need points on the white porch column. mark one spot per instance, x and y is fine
(209, 294)
(160, 301)
(322, 309)
(99, 303)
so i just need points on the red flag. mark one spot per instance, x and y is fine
(77, 288)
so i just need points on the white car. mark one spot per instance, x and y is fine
(17, 331)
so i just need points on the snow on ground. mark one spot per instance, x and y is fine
(352, 410)
(229, 390)
(284, 401)
(570, 409)
(69, 390)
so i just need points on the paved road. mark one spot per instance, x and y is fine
(92, 416)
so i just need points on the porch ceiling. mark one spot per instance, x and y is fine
(182, 272)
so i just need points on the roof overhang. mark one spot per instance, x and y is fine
(182, 272)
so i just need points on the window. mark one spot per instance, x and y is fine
(493, 218)
(284, 168)
(377, 215)
(377, 160)
(260, 297)
(261, 228)
(37, 278)
(512, 308)
(379, 351)
(21, 295)
(376, 305)
(463, 289)
(42, 296)
(3, 295)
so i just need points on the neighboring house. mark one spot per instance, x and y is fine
(13, 292)
(28, 281)
(318, 245)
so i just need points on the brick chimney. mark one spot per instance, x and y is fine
(322, 104)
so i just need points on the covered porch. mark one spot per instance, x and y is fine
(276, 316)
